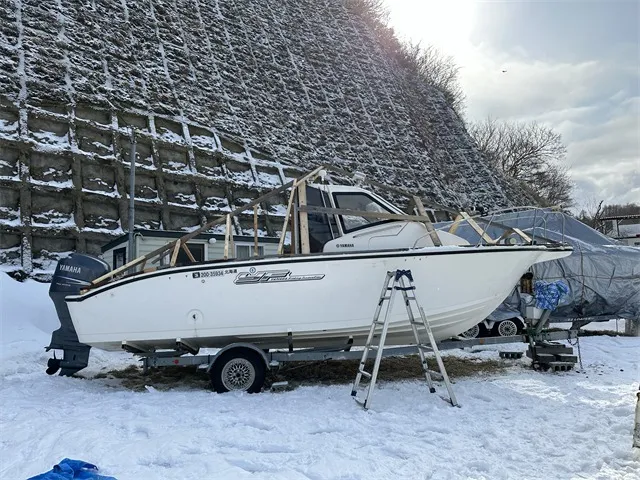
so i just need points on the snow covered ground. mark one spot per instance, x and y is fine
(519, 424)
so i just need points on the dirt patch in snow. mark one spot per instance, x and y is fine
(330, 372)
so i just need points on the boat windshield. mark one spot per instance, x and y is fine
(359, 201)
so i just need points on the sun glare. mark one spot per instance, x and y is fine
(446, 24)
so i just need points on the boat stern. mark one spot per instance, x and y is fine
(72, 274)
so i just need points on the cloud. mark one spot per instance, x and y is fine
(593, 104)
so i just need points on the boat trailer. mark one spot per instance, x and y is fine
(546, 353)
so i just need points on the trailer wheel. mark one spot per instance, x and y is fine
(238, 369)
(506, 328)
(476, 331)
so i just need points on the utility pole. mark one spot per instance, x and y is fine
(132, 196)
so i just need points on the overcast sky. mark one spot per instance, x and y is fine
(573, 65)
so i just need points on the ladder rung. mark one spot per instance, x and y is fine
(366, 374)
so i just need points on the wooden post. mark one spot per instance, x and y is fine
(432, 232)
(304, 219)
(286, 220)
(226, 238)
(255, 230)
(456, 223)
(174, 255)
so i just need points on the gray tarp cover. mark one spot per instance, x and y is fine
(603, 275)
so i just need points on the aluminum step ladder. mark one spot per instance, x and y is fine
(402, 281)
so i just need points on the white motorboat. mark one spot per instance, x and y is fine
(325, 296)
(322, 300)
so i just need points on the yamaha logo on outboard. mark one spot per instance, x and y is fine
(70, 269)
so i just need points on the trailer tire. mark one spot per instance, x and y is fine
(476, 331)
(506, 328)
(239, 369)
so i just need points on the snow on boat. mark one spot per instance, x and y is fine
(324, 295)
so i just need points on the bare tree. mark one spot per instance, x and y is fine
(591, 213)
(430, 64)
(529, 153)
(439, 70)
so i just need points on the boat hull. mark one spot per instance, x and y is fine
(315, 300)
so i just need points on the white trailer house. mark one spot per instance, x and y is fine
(203, 247)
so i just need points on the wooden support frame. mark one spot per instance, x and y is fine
(310, 176)
(305, 248)
(174, 255)
(430, 230)
(473, 224)
(188, 252)
(255, 231)
(296, 187)
(456, 223)
(362, 213)
(227, 242)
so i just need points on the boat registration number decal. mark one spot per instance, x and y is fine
(254, 276)
(214, 273)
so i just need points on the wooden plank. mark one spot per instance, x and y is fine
(432, 232)
(304, 219)
(221, 219)
(523, 235)
(226, 238)
(477, 228)
(174, 255)
(389, 188)
(308, 176)
(285, 224)
(188, 252)
(118, 270)
(255, 230)
(361, 213)
(456, 223)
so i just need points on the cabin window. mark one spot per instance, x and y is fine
(322, 226)
(196, 249)
(246, 251)
(363, 202)
(119, 257)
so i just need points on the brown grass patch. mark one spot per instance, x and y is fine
(331, 372)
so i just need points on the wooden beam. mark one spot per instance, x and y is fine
(309, 176)
(472, 223)
(227, 230)
(383, 186)
(174, 255)
(456, 223)
(304, 219)
(118, 270)
(255, 230)
(523, 235)
(432, 232)
(285, 224)
(188, 252)
(361, 213)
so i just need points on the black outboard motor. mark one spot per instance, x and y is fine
(72, 274)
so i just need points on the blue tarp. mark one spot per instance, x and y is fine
(69, 469)
(549, 294)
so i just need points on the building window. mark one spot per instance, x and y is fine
(246, 251)
(196, 249)
(119, 257)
